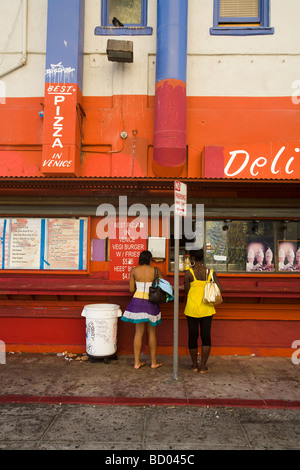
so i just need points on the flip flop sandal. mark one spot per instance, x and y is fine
(159, 364)
(142, 364)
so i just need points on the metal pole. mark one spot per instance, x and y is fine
(176, 296)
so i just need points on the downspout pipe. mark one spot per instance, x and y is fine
(25, 27)
(169, 155)
(23, 59)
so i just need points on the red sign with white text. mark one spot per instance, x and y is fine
(125, 250)
(263, 161)
(61, 139)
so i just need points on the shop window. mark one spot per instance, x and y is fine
(238, 246)
(256, 246)
(123, 17)
(289, 246)
(191, 236)
(245, 246)
(241, 17)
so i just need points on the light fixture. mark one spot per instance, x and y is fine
(226, 225)
(255, 226)
(284, 225)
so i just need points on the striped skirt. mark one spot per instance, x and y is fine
(140, 309)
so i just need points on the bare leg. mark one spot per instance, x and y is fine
(152, 346)
(137, 344)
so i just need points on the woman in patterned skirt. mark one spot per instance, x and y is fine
(140, 310)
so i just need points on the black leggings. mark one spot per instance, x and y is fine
(193, 327)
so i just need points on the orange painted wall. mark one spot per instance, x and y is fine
(210, 121)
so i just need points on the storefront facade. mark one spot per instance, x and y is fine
(95, 129)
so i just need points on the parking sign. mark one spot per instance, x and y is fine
(180, 198)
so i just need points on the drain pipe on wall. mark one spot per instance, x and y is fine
(169, 155)
(23, 60)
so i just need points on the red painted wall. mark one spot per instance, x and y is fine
(228, 336)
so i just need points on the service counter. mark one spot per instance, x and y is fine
(259, 315)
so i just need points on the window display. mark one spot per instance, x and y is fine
(248, 246)
(289, 255)
(289, 246)
(191, 238)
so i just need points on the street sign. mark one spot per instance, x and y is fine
(180, 198)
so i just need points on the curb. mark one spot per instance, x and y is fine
(158, 401)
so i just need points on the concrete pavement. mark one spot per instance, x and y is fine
(49, 401)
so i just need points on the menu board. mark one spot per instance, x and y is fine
(35, 243)
(65, 243)
(25, 244)
(125, 251)
(4, 243)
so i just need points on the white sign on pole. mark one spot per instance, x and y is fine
(180, 192)
(180, 198)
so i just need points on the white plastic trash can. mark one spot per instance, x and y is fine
(101, 329)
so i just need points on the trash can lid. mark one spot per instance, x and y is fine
(102, 311)
(101, 306)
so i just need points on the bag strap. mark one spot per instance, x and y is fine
(210, 275)
(155, 276)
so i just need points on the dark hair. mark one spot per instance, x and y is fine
(145, 257)
(197, 255)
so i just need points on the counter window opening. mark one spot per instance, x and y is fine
(123, 17)
(245, 246)
(241, 17)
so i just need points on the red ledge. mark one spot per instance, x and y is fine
(158, 401)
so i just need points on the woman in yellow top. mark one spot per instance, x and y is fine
(198, 313)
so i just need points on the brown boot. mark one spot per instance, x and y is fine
(194, 357)
(204, 356)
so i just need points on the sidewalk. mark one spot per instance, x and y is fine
(246, 381)
(52, 402)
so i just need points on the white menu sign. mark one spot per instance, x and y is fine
(25, 244)
(38, 243)
(4, 240)
(65, 244)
